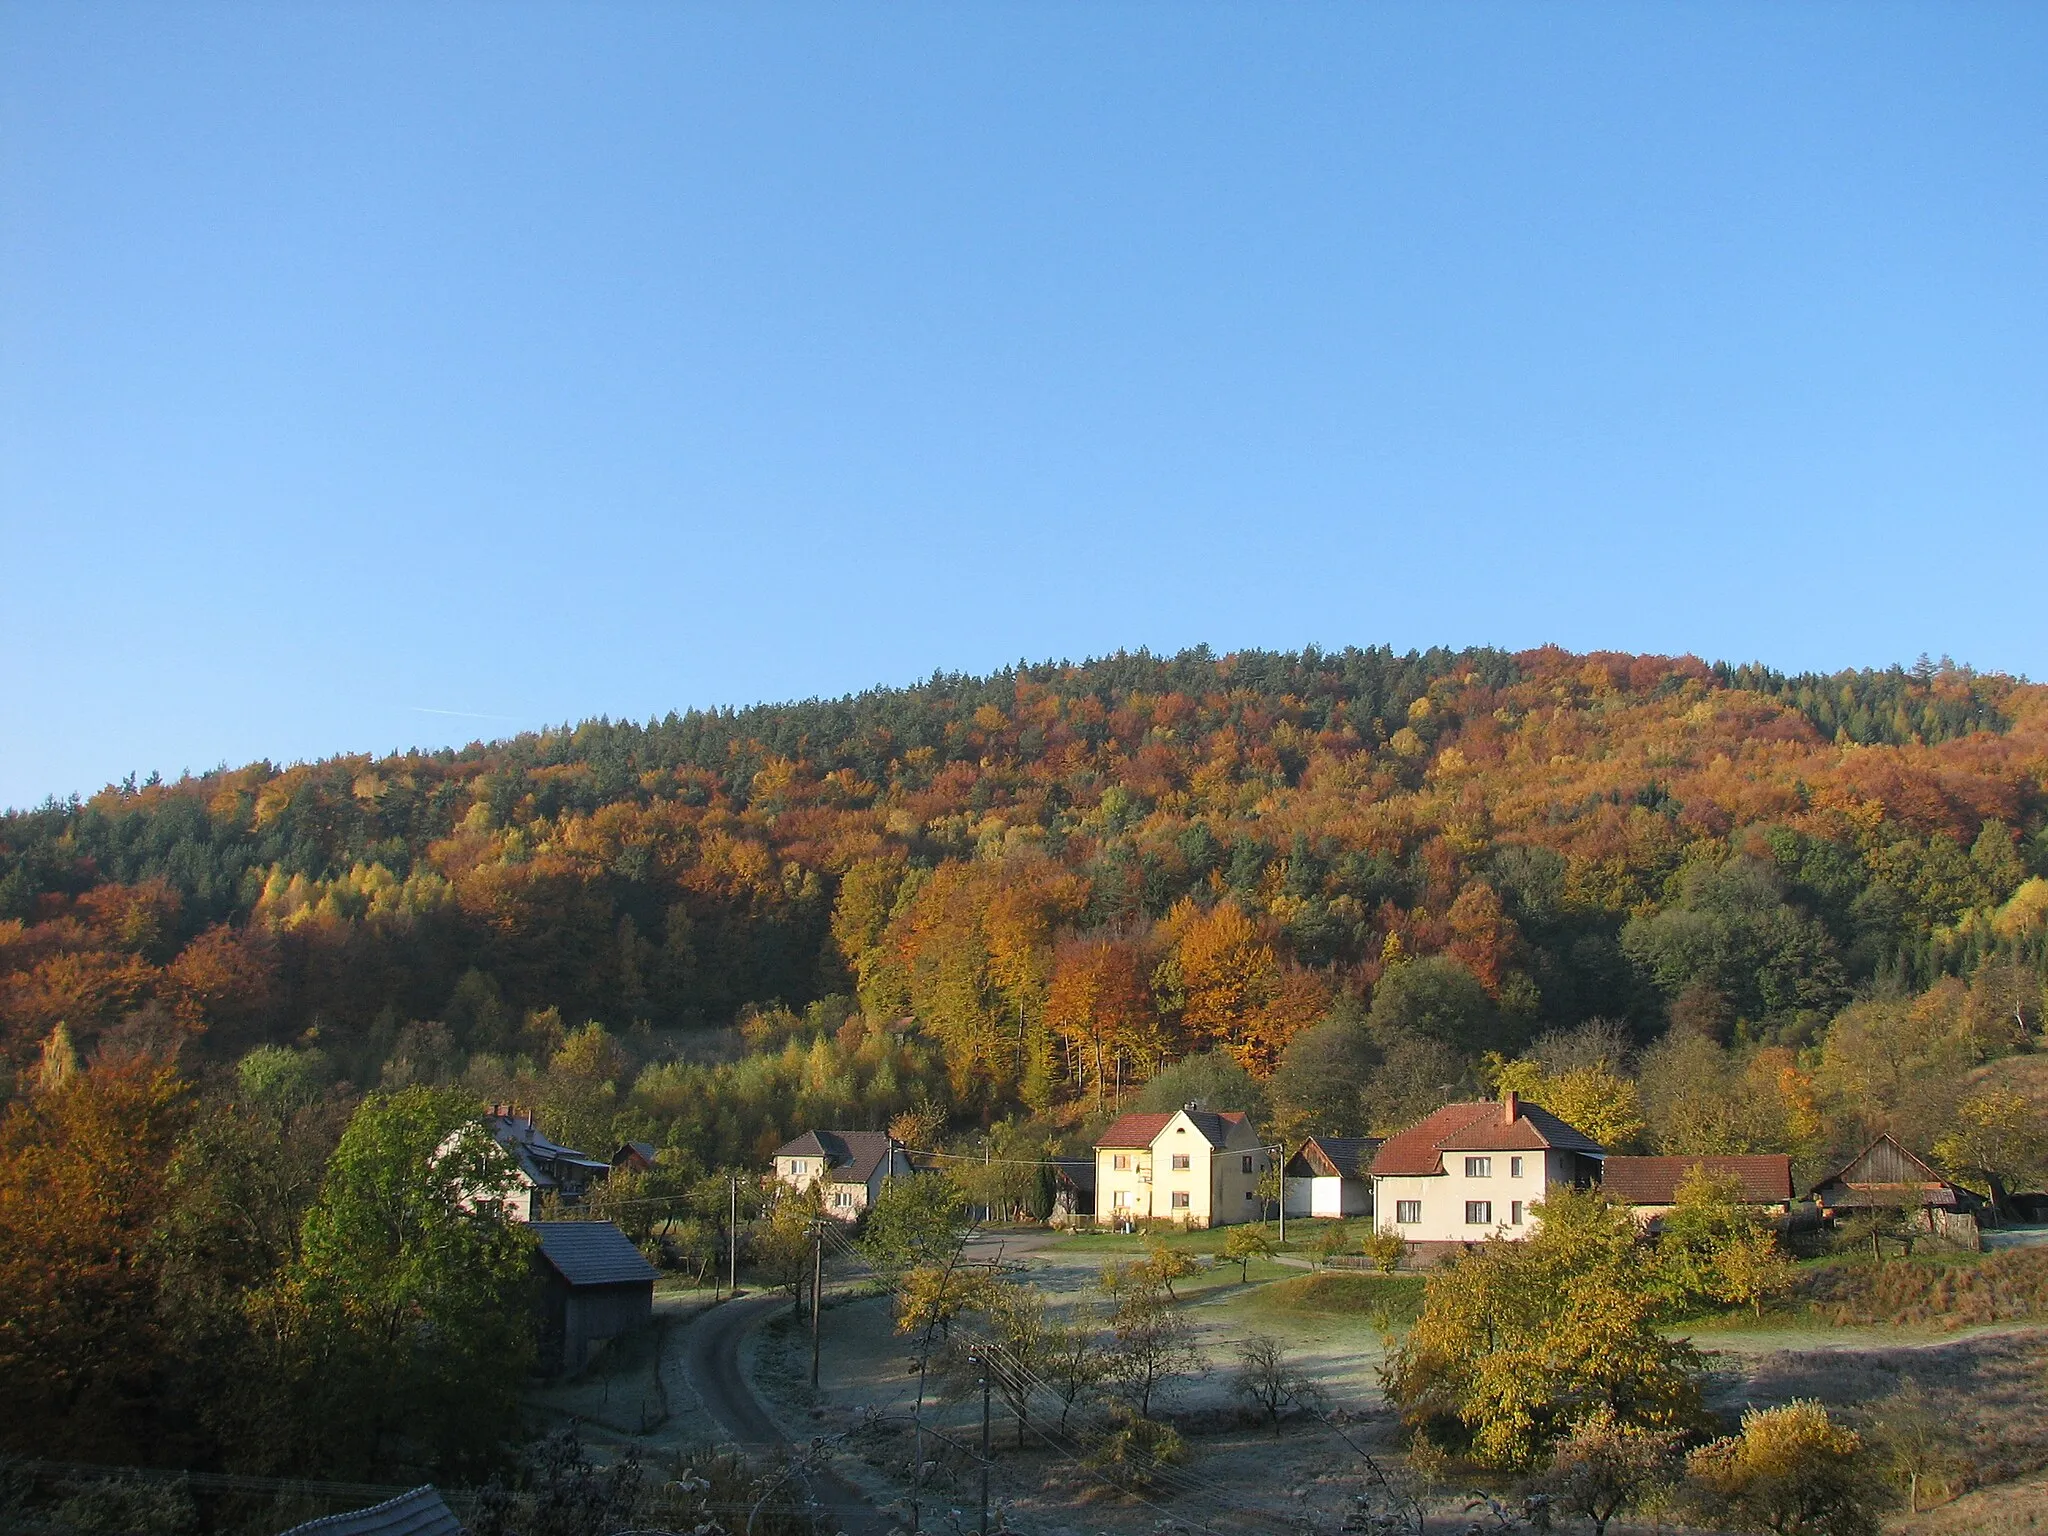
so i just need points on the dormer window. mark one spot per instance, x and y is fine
(1478, 1167)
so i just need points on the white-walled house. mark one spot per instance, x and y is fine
(540, 1167)
(851, 1165)
(1198, 1167)
(1472, 1171)
(1329, 1176)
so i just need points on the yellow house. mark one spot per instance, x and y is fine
(1198, 1167)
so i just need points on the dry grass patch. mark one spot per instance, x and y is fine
(1937, 1293)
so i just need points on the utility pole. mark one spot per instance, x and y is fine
(983, 1361)
(732, 1237)
(817, 1286)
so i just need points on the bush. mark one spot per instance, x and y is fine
(1386, 1248)
(1792, 1471)
(1603, 1467)
(1134, 1447)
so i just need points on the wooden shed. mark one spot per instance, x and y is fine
(1328, 1177)
(595, 1285)
(1885, 1175)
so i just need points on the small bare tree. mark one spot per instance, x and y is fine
(1269, 1382)
(1154, 1348)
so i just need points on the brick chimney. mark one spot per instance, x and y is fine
(1510, 1107)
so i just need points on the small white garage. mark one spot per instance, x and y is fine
(1327, 1177)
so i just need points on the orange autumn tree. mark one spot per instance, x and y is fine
(1100, 1006)
(82, 1188)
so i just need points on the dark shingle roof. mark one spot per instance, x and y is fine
(1347, 1156)
(422, 1512)
(591, 1253)
(1483, 1127)
(853, 1156)
(1766, 1179)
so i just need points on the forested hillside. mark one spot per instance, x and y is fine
(1032, 891)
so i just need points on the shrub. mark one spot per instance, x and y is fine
(1134, 1447)
(1386, 1248)
(1792, 1471)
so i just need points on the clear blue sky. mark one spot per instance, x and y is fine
(364, 364)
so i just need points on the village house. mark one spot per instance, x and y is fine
(635, 1157)
(1473, 1171)
(1197, 1167)
(542, 1167)
(849, 1166)
(1328, 1176)
(1648, 1186)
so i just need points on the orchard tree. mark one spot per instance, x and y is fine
(1519, 1340)
(1603, 1467)
(1245, 1243)
(1792, 1471)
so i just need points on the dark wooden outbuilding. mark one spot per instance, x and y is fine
(1885, 1175)
(595, 1285)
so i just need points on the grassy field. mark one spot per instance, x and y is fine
(1302, 1235)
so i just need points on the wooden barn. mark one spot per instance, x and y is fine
(595, 1285)
(1329, 1176)
(1885, 1176)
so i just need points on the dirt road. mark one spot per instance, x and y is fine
(711, 1355)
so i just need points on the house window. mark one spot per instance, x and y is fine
(1515, 1212)
(1119, 1199)
(1408, 1212)
(1180, 1162)
(1478, 1167)
(1120, 1161)
(1248, 1195)
(1247, 1167)
(842, 1197)
(1514, 1167)
(1478, 1213)
(1180, 1199)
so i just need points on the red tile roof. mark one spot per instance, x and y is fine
(1141, 1130)
(1478, 1128)
(1133, 1130)
(1766, 1179)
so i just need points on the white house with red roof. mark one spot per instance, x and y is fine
(1198, 1167)
(1473, 1171)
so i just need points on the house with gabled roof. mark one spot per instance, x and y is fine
(1473, 1171)
(1330, 1176)
(1648, 1186)
(849, 1167)
(541, 1168)
(1196, 1167)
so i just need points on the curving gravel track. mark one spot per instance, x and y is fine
(711, 1356)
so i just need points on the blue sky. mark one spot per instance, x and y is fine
(386, 375)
